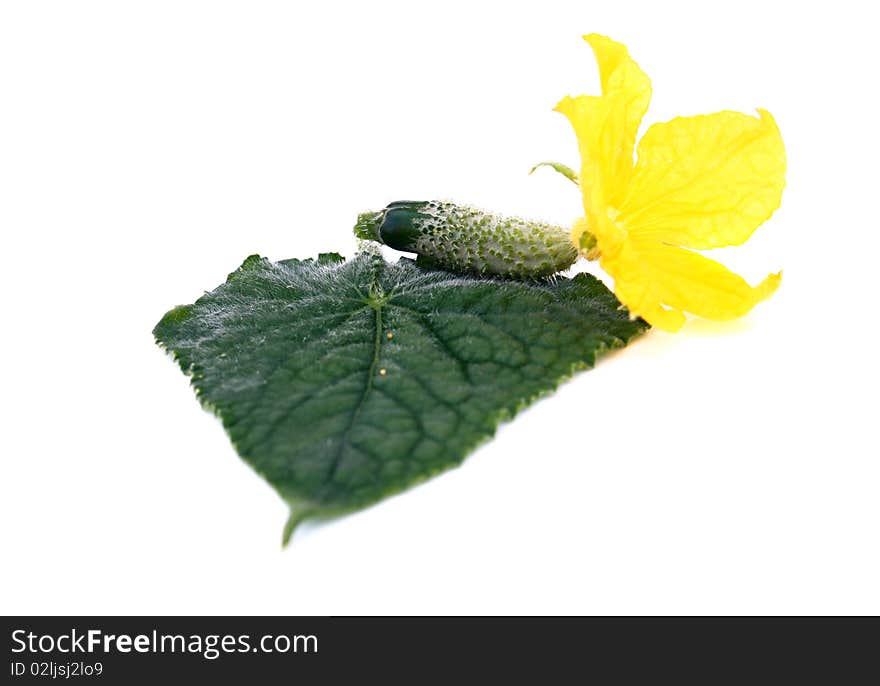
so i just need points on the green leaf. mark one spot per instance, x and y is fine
(343, 382)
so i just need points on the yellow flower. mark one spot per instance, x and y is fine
(699, 182)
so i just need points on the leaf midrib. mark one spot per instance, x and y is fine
(371, 374)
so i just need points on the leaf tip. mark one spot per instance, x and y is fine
(293, 521)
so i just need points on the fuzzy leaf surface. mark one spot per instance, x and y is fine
(342, 382)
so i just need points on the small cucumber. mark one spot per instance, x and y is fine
(465, 239)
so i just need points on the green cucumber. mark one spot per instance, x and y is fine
(464, 239)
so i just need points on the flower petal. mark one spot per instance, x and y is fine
(598, 125)
(622, 77)
(606, 125)
(706, 181)
(660, 282)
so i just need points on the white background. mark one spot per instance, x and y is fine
(147, 148)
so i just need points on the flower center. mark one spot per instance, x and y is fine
(614, 232)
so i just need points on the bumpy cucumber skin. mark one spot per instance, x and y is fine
(465, 239)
